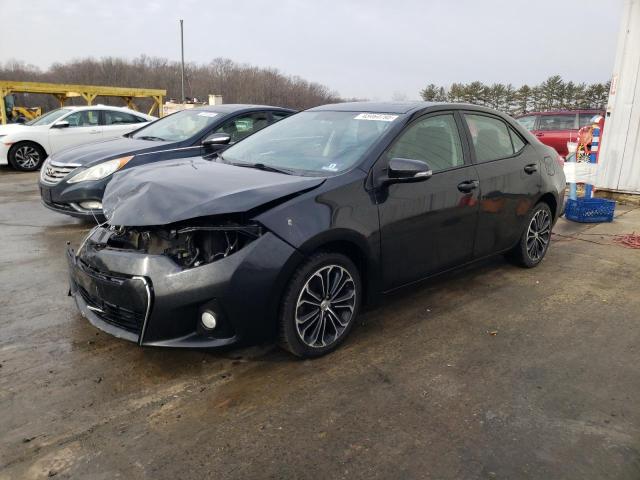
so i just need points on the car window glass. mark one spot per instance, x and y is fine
(528, 122)
(490, 137)
(518, 143)
(114, 117)
(83, 118)
(557, 122)
(279, 115)
(49, 118)
(179, 126)
(434, 140)
(243, 126)
(314, 142)
(584, 119)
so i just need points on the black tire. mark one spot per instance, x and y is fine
(27, 156)
(336, 312)
(535, 239)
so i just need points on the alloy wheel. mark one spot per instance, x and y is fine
(27, 157)
(325, 306)
(538, 235)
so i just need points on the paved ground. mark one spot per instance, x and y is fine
(421, 389)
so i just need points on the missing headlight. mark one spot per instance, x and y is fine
(188, 246)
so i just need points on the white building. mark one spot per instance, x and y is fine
(619, 160)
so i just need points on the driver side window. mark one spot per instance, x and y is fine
(243, 126)
(434, 140)
(83, 118)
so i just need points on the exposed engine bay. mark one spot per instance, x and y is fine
(189, 246)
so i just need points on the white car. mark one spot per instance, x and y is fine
(25, 146)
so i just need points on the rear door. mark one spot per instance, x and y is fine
(429, 226)
(557, 129)
(84, 127)
(509, 173)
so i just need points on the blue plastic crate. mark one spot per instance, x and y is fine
(590, 210)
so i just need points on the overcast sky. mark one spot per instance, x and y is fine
(377, 49)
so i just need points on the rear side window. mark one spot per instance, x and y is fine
(279, 116)
(434, 140)
(557, 122)
(518, 144)
(528, 122)
(584, 119)
(113, 117)
(491, 138)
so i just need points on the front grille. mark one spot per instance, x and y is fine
(117, 300)
(53, 172)
(118, 316)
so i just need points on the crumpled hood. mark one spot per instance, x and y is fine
(96, 152)
(173, 191)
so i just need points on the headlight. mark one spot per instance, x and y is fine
(101, 170)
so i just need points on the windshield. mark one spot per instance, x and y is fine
(49, 118)
(177, 127)
(312, 142)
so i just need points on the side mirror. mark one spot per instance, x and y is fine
(406, 170)
(60, 124)
(21, 120)
(216, 139)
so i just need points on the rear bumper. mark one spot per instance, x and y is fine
(150, 300)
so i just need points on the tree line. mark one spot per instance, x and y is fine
(237, 83)
(552, 94)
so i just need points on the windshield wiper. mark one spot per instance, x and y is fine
(262, 166)
(150, 137)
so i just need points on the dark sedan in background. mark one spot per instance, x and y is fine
(286, 234)
(73, 181)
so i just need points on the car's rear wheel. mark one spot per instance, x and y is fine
(535, 240)
(26, 156)
(320, 305)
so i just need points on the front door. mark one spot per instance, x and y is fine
(509, 174)
(429, 226)
(84, 127)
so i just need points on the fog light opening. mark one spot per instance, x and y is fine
(208, 320)
(91, 205)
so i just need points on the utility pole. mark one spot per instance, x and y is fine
(182, 54)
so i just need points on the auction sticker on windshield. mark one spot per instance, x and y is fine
(207, 114)
(380, 117)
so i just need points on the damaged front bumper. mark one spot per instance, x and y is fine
(153, 301)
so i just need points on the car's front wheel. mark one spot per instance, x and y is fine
(320, 305)
(26, 156)
(535, 240)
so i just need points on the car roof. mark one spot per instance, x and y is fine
(238, 107)
(374, 107)
(103, 107)
(404, 107)
(563, 112)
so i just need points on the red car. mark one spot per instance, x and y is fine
(557, 128)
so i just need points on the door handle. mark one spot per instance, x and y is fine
(467, 186)
(94, 131)
(539, 134)
(531, 168)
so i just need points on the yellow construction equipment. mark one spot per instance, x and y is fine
(28, 113)
(64, 91)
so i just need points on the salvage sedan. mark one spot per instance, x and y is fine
(73, 181)
(290, 232)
